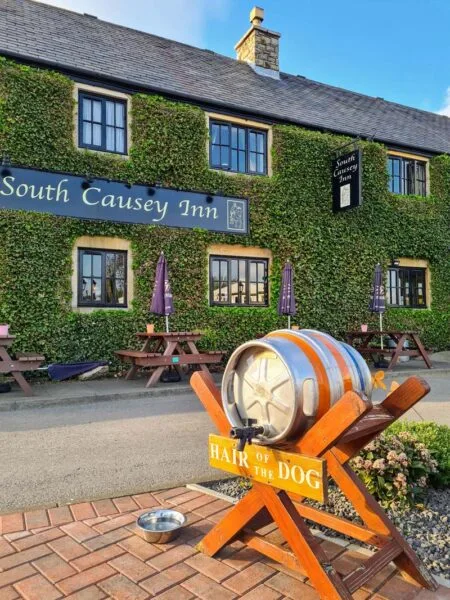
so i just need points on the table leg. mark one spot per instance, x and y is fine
(156, 375)
(397, 352)
(422, 350)
(194, 350)
(19, 378)
(146, 347)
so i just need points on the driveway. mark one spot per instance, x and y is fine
(63, 454)
(60, 454)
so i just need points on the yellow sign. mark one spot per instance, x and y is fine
(286, 471)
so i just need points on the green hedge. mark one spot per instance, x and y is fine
(333, 255)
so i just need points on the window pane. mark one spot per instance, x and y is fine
(260, 140)
(224, 135)
(260, 163)
(120, 114)
(96, 290)
(86, 289)
(234, 160)
(223, 291)
(120, 266)
(252, 141)
(110, 145)
(242, 139)
(87, 109)
(242, 167)
(96, 135)
(97, 111)
(215, 134)
(234, 136)
(110, 113)
(87, 133)
(120, 140)
(215, 156)
(86, 268)
(110, 264)
(252, 162)
(96, 265)
(224, 156)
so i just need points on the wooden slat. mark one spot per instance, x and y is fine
(272, 551)
(325, 432)
(180, 359)
(375, 420)
(29, 356)
(372, 566)
(358, 532)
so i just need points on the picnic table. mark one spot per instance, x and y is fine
(172, 349)
(361, 340)
(24, 361)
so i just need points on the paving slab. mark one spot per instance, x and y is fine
(130, 567)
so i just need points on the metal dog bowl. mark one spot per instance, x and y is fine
(160, 526)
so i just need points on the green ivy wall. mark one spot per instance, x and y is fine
(334, 255)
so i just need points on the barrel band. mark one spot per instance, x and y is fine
(316, 362)
(345, 371)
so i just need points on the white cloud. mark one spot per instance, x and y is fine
(182, 20)
(445, 110)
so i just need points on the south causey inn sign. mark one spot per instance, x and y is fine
(100, 199)
(346, 176)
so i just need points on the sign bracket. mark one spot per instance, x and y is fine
(337, 437)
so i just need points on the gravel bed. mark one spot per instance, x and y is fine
(426, 527)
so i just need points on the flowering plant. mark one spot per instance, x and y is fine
(395, 468)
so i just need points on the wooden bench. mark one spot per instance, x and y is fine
(23, 361)
(151, 359)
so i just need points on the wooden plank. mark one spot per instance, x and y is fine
(307, 550)
(358, 532)
(372, 566)
(375, 420)
(233, 522)
(273, 551)
(284, 470)
(162, 360)
(209, 395)
(371, 512)
(325, 432)
(396, 404)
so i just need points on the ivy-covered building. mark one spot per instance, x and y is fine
(136, 125)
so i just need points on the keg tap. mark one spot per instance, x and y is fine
(246, 434)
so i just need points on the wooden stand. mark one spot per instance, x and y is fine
(337, 437)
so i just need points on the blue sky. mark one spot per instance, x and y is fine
(396, 49)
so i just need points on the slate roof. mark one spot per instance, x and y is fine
(71, 41)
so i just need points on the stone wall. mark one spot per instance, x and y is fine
(260, 47)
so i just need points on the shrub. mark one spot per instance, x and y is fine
(437, 439)
(395, 468)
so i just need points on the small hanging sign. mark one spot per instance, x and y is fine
(346, 181)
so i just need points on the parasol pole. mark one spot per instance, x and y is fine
(381, 329)
(167, 323)
(289, 321)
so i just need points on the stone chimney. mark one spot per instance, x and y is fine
(259, 46)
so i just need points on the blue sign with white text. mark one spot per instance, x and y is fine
(100, 199)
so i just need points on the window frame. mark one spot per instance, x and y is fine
(248, 260)
(249, 129)
(403, 178)
(102, 252)
(87, 95)
(412, 294)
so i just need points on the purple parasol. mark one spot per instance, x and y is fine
(286, 303)
(162, 300)
(377, 299)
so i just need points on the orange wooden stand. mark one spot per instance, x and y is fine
(336, 437)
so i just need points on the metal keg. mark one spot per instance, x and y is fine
(286, 381)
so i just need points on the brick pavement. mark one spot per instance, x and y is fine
(90, 551)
